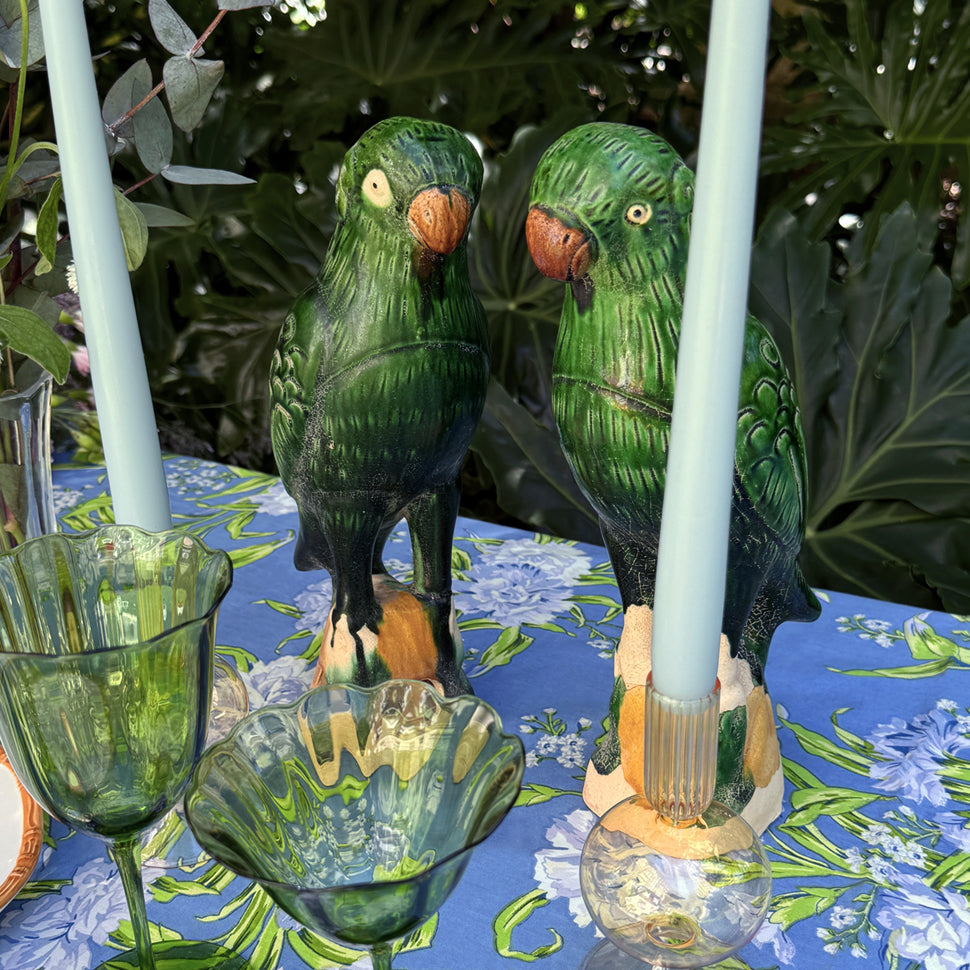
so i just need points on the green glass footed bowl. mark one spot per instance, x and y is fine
(357, 809)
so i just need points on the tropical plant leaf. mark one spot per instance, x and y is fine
(514, 59)
(159, 216)
(48, 222)
(885, 116)
(189, 85)
(531, 476)
(27, 333)
(886, 410)
(789, 295)
(134, 230)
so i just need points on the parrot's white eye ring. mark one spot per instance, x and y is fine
(377, 189)
(639, 214)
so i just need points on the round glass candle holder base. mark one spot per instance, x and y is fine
(674, 894)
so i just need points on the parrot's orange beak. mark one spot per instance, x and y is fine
(559, 251)
(438, 218)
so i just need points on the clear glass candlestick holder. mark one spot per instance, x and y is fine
(673, 878)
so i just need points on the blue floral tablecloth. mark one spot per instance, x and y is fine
(871, 859)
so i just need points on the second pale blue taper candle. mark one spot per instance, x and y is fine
(121, 392)
(692, 559)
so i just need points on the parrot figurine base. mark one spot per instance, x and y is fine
(403, 647)
(750, 778)
(609, 216)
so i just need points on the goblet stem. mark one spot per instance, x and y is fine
(127, 856)
(380, 955)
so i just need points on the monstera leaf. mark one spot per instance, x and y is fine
(882, 116)
(884, 387)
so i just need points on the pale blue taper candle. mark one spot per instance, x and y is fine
(692, 559)
(121, 393)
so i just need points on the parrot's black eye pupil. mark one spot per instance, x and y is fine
(638, 214)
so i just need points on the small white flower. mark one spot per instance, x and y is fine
(841, 917)
(877, 834)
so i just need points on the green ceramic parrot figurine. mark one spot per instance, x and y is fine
(610, 215)
(377, 384)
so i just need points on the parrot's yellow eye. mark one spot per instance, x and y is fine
(377, 189)
(639, 213)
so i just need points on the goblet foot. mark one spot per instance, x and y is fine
(180, 955)
(674, 894)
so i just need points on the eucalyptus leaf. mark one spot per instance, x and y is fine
(11, 33)
(130, 89)
(159, 216)
(48, 223)
(244, 4)
(24, 331)
(134, 230)
(172, 32)
(152, 134)
(188, 175)
(189, 85)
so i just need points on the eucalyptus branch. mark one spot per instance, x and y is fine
(194, 51)
(139, 184)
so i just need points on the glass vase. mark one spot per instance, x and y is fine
(26, 490)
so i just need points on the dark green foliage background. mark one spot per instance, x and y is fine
(868, 111)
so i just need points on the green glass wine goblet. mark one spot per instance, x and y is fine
(107, 640)
(357, 809)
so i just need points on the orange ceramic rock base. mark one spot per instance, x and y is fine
(404, 645)
(759, 755)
